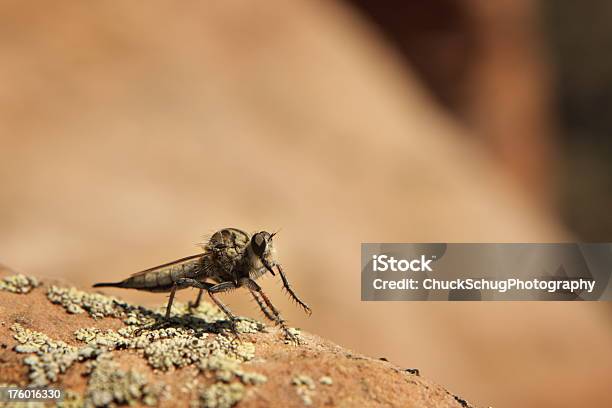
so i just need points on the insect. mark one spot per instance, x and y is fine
(231, 259)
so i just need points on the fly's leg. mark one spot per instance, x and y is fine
(170, 300)
(196, 304)
(220, 288)
(198, 299)
(212, 289)
(262, 306)
(289, 289)
(160, 324)
(252, 285)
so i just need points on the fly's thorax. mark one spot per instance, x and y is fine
(226, 249)
(228, 238)
(235, 253)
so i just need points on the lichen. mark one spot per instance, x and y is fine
(220, 395)
(205, 318)
(294, 336)
(173, 347)
(109, 385)
(23, 404)
(19, 283)
(50, 357)
(303, 380)
(305, 387)
(71, 400)
(188, 341)
(251, 378)
(326, 380)
(19, 404)
(199, 337)
(76, 301)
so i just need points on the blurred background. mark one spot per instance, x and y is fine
(130, 130)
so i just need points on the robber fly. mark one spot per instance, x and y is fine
(231, 259)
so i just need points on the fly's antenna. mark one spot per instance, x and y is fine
(274, 233)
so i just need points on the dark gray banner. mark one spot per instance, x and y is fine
(566, 271)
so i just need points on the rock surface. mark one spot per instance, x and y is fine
(94, 346)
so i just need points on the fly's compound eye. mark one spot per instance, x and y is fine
(259, 243)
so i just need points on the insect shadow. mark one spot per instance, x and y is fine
(185, 321)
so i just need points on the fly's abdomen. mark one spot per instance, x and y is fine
(155, 280)
(161, 278)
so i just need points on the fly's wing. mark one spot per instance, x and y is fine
(163, 277)
(183, 262)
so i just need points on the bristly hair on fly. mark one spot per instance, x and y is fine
(205, 240)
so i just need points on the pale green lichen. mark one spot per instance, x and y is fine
(19, 283)
(76, 301)
(303, 380)
(227, 368)
(305, 387)
(294, 336)
(326, 380)
(50, 358)
(206, 318)
(251, 378)
(172, 347)
(109, 386)
(188, 341)
(220, 395)
(23, 404)
(193, 336)
(19, 404)
(71, 400)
